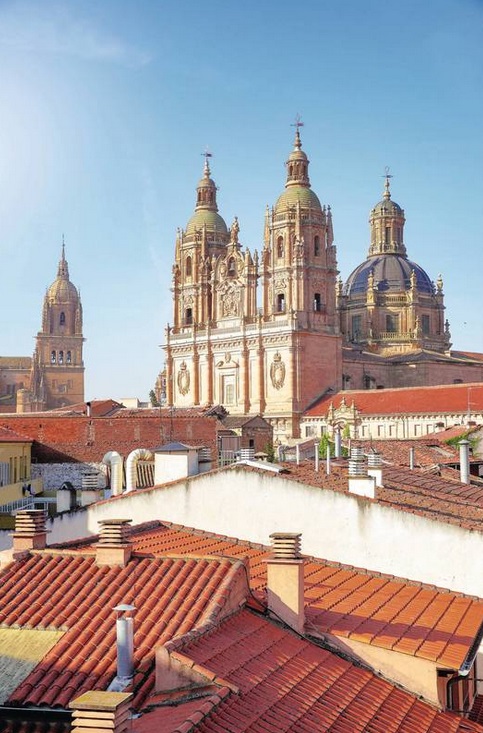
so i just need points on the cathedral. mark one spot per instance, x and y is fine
(269, 333)
(54, 376)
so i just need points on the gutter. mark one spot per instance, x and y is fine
(464, 670)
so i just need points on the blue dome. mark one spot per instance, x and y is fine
(391, 273)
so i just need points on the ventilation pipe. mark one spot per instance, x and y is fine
(140, 454)
(114, 461)
(327, 459)
(316, 456)
(297, 454)
(338, 443)
(285, 580)
(114, 547)
(464, 461)
(125, 642)
(411, 458)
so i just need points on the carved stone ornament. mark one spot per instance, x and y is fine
(277, 371)
(230, 302)
(183, 379)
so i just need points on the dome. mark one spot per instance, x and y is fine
(387, 207)
(204, 216)
(63, 291)
(391, 272)
(293, 194)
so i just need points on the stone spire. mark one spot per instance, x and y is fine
(63, 269)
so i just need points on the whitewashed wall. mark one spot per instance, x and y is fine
(340, 527)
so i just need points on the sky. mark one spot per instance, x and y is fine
(107, 107)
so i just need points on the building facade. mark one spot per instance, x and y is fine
(269, 334)
(222, 347)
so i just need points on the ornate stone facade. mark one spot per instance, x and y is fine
(271, 360)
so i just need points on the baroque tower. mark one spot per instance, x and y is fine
(222, 348)
(57, 376)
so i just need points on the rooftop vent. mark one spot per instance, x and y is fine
(285, 545)
(30, 532)
(114, 547)
(99, 711)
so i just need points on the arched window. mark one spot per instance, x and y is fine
(317, 302)
(189, 267)
(231, 267)
(61, 357)
(62, 319)
(316, 245)
(280, 247)
(69, 358)
(53, 357)
(281, 303)
(188, 316)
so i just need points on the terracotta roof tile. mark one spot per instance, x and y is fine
(349, 602)
(436, 400)
(289, 684)
(172, 596)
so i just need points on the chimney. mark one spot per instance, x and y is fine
(125, 642)
(30, 532)
(98, 711)
(464, 461)
(411, 458)
(113, 547)
(374, 467)
(88, 409)
(316, 456)
(285, 580)
(359, 482)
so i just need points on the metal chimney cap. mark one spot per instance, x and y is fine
(464, 442)
(124, 607)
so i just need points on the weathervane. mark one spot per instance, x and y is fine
(387, 176)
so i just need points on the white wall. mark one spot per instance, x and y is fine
(341, 527)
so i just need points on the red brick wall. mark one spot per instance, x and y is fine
(79, 438)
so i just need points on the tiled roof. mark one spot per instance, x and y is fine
(70, 592)
(287, 683)
(406, 400)
(388, 612)
(427, 452)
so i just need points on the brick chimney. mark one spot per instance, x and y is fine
(98, 711)
(285, 580)
(113, 547)
(30, 532)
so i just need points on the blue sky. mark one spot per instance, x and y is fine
(107, 107)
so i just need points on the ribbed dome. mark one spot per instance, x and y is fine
(391, 273)
(62, 291)
(387, 207)
(211, 218)
(293, 194)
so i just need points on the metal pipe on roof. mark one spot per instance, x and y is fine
(316, 455)
(328, 459)
(114, 460)
(140, 454)
(297, 454)
(125, 641)
(411, 458)
(464, 447)
(338, 442)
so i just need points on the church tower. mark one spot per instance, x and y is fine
(57, 376)
(223, 348)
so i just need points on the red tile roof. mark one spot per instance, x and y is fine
(67, 591)
(9, 436)
(408, 400)
(286, 683)
(389, 612)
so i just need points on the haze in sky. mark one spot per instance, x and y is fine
(106, 108)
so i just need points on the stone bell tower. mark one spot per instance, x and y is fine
(57, 377)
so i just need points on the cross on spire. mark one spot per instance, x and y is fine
(387, 176)
(297, 124)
